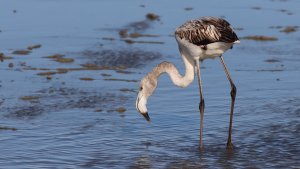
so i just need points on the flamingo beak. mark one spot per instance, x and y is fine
(146, 115)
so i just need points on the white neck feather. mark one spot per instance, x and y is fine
(177, 79)
(170, 68)
(149, 83)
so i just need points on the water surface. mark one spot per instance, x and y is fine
(74, 123)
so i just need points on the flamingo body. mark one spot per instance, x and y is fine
(198, 39)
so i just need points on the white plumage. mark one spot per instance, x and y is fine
(207, 37)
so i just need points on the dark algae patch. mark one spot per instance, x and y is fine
(138, 35)
(64, 60)
(46, 73)
(271, 70)
(58, 71)
(127, 90)
(62, 70)
(121, 80)
(105, 74)
(108, 38)
(276, 27)
(89, 65)
(152, 16)
(123, 33)
(21, 52)
(286, 29)
(188, 8)
(34, 46)
(285, 11)
(59, 99)
(25, 112)
(86, 78)
(60, 58)
(98, 110)
(272, 60)
(29, 98)
(256, 7)
(136, 29)
(4, 57)
(8, 128)
(260, 38)
(50, 72)
(10, 65)
(34, 68)
(120, 110)
(49, 77)
(124, 72)
(1, 57)
(289, 29)
(122, 59)
(54, 56)
(129, 41)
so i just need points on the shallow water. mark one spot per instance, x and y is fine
(74, 123)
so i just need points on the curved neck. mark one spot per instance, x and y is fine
(149, 83)
(170, 68)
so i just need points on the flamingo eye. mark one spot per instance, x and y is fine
(141, 88)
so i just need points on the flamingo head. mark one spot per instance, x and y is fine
(147, 87)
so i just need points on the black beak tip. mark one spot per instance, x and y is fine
(146, 115)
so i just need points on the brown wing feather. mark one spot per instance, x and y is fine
(207, 30)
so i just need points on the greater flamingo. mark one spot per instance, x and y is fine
(199, 39)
